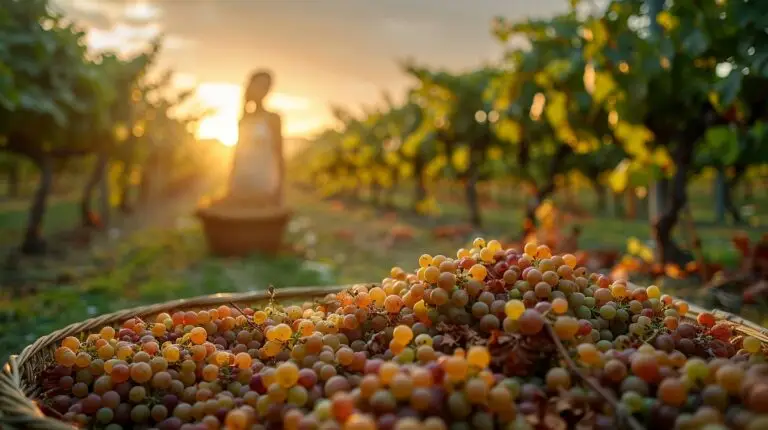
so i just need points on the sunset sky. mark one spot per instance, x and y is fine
(321, 51)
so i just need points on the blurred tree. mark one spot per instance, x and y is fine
(51, 98)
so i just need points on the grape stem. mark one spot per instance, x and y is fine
(248, 318)
(626, 420)
(653, 336)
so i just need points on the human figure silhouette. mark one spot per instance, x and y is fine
(259, 167)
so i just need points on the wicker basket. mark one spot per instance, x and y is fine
(18, 380)
(237, 228)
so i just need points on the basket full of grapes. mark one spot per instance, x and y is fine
(492, 338)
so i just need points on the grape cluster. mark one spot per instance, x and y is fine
(494, 338)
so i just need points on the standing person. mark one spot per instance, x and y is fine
(258, 169)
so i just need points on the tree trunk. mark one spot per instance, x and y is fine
(599, 190)
(658, 195)
(544, 191)
(666, 249)
(470, 184)
(376, 197)
(728, 191)
(14, 177)
(420, 192)
(146, 180)
(33, 241)
(105, 198)
(630, 200)
(748, 191)
(473, 204)
(124, 180)
(569, 192)
(124, 189)
(88, 218)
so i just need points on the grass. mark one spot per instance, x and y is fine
(357, 236)
(152, 266)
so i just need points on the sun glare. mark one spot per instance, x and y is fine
(226, 101)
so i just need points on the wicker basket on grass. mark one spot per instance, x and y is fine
(19, 386)
(19, 379)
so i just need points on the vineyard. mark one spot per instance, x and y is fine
(636, 102)
(65, 111)
(615, 156)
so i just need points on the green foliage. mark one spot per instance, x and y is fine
(628, 94)
(52, 96)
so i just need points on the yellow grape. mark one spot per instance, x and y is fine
(588, 353)
(287, 374)
(108, 333)
(402, 334)
(72, 343)
(456, 368)
(478, 272)
(387, 371)
(543, 251)
(65, 356)
(653, 292)
(431, 274)
(494, 245)
(478, 356)
(425, 260)
(259, 317)
(378, 296)
(514, 308)
(570, 260)
(198, 335)
(559, 305)
(486, 255)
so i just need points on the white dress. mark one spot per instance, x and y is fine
(255, 170)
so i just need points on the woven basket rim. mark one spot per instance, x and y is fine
(18, 410)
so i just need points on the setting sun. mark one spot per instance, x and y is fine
(226, 101)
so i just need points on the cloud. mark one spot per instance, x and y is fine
(122, 38)
(142, 11)
(120, 26)
(89, 12)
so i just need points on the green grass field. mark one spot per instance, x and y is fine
(151, 266)
(160, 255)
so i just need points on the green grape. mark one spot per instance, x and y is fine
(633, 401)
(608, 312)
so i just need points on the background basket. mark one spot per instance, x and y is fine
(18, 380)
(244, 231)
